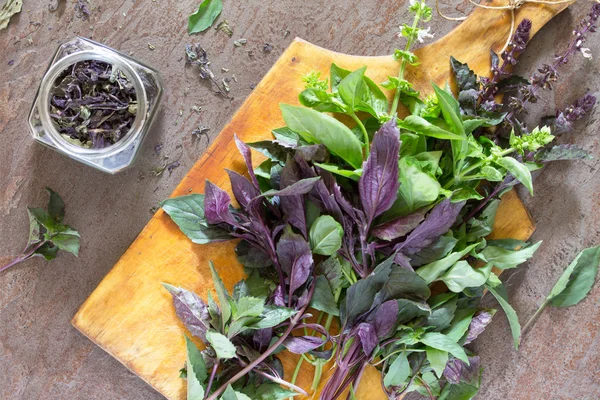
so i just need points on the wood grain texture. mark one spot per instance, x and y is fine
(131, 316)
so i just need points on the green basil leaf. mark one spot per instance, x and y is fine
(56, 206)
(35, 229)
(196, 371)
(352, 88)
(577, 280)
(320, 100)
(47, 250)
(326, 235)
(221, 294)
(450, 110)
(188, 213)
(336, 74)
(204, 17)
(429, 379)
(437, 360)
(317, 127)
(346, 173)
(442, 315)
(375, 102)
(67, 242)
(248, 306)
(460, 324)
(462, 391)
(520, 171)
(442, 342)
(230, 394)
(272, 316)
(483, 225)
(221, 344)
(267, 391)
(417, 188)
(497, 289)
(465, 193)
(323, 299)
(421, 126)
(44, 219)
(504, 258)
(491, 174)
(398, 372)
(462, 276)
(432, 271)
(409, 309)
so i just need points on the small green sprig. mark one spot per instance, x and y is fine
(533, 141)
(411, 33)
(47, 233)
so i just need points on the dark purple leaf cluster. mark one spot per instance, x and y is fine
(93, 103)
(509, 56)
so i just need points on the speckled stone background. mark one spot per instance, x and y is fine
(43, 357)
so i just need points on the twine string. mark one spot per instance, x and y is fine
(511, 6)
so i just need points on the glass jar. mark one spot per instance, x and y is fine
(148, 87)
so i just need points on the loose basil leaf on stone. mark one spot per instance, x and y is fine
(204, 17)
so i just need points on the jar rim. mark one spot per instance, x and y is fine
(105, 56)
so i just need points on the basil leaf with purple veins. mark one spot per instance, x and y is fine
(400, 226)
(216, 205)
(368, 337)
(293, 206)
(247, 154)
(478, 324)
(295, 257)
(191, 310)
(378, 185)
(303, 344)
(385, 318)
(243, 190)
(438, 222)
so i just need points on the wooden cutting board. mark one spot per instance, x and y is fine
(131, 316)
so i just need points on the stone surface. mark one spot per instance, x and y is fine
(42, 356)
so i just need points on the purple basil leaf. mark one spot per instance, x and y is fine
(191, 310)
(216, 205)
(378, 185)
(399, 227)
(301, 187)
(457, 371)
(368, 337)
(317, 328)
(295, 258)
(303, 299)
(278, 297)
(247, 154)
(403, 261)
(251, 256)
(243, 190)
(292, 206)
(262, 338)
(453, 370)
(313, 153)
(302, 344)
(478, 324)
(438, 222)
(324, 354)
(384, 318)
